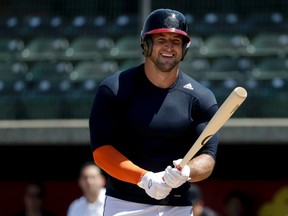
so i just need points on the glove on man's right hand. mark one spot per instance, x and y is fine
(154, 185)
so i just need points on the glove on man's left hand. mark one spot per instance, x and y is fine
(173, 177)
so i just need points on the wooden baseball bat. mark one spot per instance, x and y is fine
(229, 106)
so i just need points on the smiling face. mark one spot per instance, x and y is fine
(166, 50)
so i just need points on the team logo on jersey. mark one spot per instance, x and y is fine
(188, 86)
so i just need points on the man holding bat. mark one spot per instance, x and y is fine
(145, 119)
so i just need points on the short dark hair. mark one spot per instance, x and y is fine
(86, 164)
(39, 185)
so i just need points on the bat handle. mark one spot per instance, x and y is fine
(184, 161)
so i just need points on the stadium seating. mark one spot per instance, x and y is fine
(78, 101)
(126, 64)
(126, 47)
(196, 68)
(48, 82)
(223, 88)
(12, 77)
(12, 83)
(39, 25)
(39, 104)
(89, 25)
(10, 48)
(217, 45)
(224, 68)
(197, 42)
(9, 107)
(272, 95)
(271, 21)
(271, 67)
(227, 48)
(93, 70)
(45, 48)
(267, 44)
(124, 24)
(86, 77)
(9, 26)
(214, 22)
(89, 48)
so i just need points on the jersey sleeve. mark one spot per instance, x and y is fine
(211, 146)
(103, 117)
(205, 109)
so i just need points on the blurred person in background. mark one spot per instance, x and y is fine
(237, 203)
(198, 204)
(33, 198)
(92, 184)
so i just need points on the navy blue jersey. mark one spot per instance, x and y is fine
(151, 126)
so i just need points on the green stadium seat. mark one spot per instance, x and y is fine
(93, 70)
(126, 47)
(223, 68)
(49, 76)
(78, 102)
(126, 64)
(9, 106)
(48, 83)
(270, 21)
(197, 42)
(271, 67)
(265, 44)
(12, 76)
(217, 45)
(272, 95)
(124, 24)
(45, 48)
(215, 21)
(86, 78)
(50, 70)
(196, 67)
(10, 48)
(85, 24)
(89, 48)
(42, 105)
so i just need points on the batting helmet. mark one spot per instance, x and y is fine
(164, 20)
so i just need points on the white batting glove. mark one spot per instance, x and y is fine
(173, 177)
(154, 185)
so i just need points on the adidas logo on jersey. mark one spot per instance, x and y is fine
(188, 86)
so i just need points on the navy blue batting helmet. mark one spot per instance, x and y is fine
(164, 20)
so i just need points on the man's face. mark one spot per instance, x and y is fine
(91, 181)
(166, 50)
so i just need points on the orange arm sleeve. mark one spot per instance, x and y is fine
(117, 165)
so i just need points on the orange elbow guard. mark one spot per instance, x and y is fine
(117, 165)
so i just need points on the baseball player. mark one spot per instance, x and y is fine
(145, 119)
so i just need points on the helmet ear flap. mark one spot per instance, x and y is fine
(146, 45)
(185, 49)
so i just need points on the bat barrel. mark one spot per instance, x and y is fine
(240, 91)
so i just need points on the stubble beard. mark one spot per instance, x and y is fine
(164, 66)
